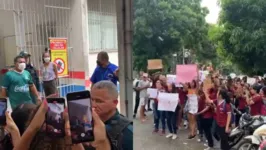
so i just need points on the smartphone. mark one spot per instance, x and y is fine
(80, 116)
(3, 108)
(55, 122)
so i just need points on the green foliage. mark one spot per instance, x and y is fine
(243, 39)
(164, 27)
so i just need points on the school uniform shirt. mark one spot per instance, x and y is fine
(209, 113)
(221, 114)
(213, 93)
(107, 73)
(242, 103)
(263, 110)
(256, 107)
(201, 103)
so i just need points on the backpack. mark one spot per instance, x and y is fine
(115, 134)
(232, 112)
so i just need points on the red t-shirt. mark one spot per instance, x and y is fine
(263, 110)
(213, 94)
(201, 103)
(182, 96)
(209, 113)
(221, 114)
(242, 102)
(256, 107)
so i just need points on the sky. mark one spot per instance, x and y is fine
(214, 10)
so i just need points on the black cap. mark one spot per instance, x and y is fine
(24, 54)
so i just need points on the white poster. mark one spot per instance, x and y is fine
(203, 75)
(168, 101)
(152, 92)
(171, 78)
(192, 103)
(251, 81)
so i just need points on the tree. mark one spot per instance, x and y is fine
(162, 28)
(243, 38)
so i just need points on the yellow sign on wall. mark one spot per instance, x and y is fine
(58, 47)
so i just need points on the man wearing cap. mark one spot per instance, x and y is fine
(32, 71)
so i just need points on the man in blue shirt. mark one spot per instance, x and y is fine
(104, 70)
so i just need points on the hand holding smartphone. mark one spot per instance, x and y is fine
(80, 116)
(55, 122)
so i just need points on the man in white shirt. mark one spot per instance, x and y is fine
(143, 85)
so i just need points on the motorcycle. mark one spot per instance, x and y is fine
(247, 125)
(252, 142)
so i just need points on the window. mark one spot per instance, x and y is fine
(102, 31)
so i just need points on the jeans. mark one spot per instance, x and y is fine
(199, 124)
(172, 120)
(214, 130)
(206, 125)
(158, 116)
(224, 138)
(136, 105)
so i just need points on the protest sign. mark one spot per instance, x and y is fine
(171, 78)
(168, 101)
(251, 81)
(154, 64)
(203, 75)
(152, 92)
(186, 73)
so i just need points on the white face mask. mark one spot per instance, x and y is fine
(47, 59)
(21, 66)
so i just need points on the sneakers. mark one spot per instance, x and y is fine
(174, 136)
(169, 135)
(208, 148)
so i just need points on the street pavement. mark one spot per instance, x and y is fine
(144, 139)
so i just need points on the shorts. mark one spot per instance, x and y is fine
(143, 101)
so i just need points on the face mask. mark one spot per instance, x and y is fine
(21, 66)
(47, 59)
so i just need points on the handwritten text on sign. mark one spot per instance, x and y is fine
(168, 101)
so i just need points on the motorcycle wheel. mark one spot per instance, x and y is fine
(247, 145)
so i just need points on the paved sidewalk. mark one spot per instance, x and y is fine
(144, 139)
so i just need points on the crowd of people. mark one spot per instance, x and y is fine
(211, 114)
(25, 127)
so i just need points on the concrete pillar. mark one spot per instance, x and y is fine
(124, 24)
(19, 30)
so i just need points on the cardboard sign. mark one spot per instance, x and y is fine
(153, 93)
(171, 78)
(154, 64)
(186, 73)
(168, 101)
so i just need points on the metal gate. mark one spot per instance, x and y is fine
(34, 22)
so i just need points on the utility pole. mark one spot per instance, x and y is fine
(125, 33)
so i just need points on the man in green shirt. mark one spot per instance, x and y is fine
(18, 84)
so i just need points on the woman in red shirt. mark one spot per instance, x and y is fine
(182, 93)
(263, 107)
(240, 102)
(223, 117)
(206, 118)
(255, 101)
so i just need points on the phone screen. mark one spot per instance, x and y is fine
(55, 123)
(3, 108)
(81, 122)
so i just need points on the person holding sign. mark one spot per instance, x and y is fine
(158, 115)
(172, 116)
(49, 74)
